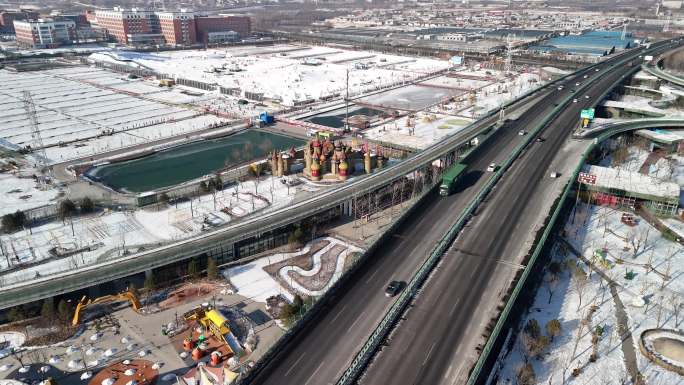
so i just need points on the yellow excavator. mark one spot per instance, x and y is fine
(127, 295)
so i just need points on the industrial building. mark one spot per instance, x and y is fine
(8, 17)
(594, 43)
(621, 188)
(138, 26)
(43, 33)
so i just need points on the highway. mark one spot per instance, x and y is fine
(324, 352)
(436, 341)
(110, 269)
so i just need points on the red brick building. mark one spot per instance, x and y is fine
(178, 27)
(45, 33)
(175, 28)
(7, 18)
(240, 24)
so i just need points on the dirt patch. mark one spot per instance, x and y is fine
(141, 372)
(187, 292)
(305, 262)
(328, 262)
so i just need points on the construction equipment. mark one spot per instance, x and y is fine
(127, 295)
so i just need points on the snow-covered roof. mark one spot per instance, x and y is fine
(555, 70)
(634, 183)
(663, 136)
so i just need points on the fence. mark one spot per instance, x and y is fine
(318, 306)
(495, 335)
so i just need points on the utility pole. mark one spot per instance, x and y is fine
(346, 102)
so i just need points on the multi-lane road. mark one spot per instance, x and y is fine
(447, 314)
(436, 342)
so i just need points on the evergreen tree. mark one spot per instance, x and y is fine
(212, 270)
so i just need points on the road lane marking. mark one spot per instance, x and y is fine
(340, 312)
(314, 373)
(453, 307)
(446, 375)
(352, 325)
(427, 357)
(295, 364)
(372, 275)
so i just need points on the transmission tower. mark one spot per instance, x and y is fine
(37, 146)
(666, 27)
(509, 54)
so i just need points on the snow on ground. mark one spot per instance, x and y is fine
(89, 110)
(446, 118)
(99, 237)
(130, 138)
(600, 228)
(298, 80)
(22, 193)
(426, 128)
(317, 266)
(9, 341)
(252, 281)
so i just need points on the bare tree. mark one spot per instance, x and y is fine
(580, 280)
(580, 330)
(660, 310)
(638, 240)
(676, 304)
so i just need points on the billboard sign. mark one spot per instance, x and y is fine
(587, 114)
(456, 60)
(586, 178)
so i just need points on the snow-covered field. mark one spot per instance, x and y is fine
(647, 271)
(491, 89)
(95, 109)
(104, 233)
(22, 193)
(303, 73)
(650, 300)
(425, 129)
(252, 281)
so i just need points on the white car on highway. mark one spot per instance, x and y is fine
(574, 100)
(491, 167)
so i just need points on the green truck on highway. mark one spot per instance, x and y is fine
(450, 177)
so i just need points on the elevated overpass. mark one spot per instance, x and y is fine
(216, 241)
(42, 287)
(656, 68)
(319, 353)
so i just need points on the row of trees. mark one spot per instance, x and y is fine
(47, 313)
(65, 209)
(64, 312)
(534, 342)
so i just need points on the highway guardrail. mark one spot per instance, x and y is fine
(476, 372)
(36, 288)
(365, 354)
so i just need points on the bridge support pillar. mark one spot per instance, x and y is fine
(347, 208)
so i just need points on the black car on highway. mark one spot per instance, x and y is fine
(393, 288)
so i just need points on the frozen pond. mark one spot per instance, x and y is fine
(190, 161)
